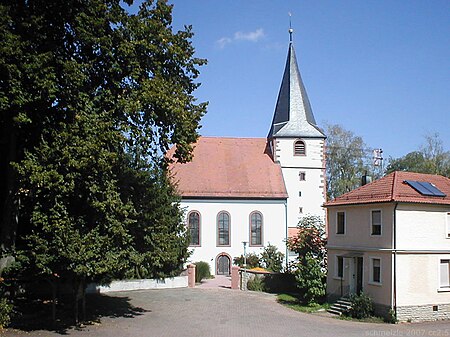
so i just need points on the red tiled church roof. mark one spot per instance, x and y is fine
(229, 168)
(393, 188)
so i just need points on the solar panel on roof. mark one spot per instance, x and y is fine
(425, 188)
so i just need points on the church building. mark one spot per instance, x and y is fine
(254, 191)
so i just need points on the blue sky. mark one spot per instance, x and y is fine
(379, 68)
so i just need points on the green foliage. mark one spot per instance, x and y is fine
(202, 271)
(256, 283)
(310, 269)
(311, 279)
(295, 303)
(431, 159)
(91, 98)
(5, 312)
(391, 317)
(347, 161)
(253, 261)
(271, 259)
(362, 306)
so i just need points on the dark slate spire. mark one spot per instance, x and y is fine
(293, 116)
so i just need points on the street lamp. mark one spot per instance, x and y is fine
(245, 254)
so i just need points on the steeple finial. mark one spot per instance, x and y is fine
(290, 28)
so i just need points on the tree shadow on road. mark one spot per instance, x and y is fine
(36, 314)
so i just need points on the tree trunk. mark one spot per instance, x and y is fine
(8, 215)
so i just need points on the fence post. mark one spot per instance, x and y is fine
(235, 277)
(191, 275)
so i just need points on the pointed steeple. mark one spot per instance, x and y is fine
(293, 116)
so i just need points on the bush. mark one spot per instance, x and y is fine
(252, 261)
(255, 284)
(272, 259)
(391, 317)
(5, 311)
(311, 279)
(362, 306)
(202, 271)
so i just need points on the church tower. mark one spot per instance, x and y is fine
(298, 145)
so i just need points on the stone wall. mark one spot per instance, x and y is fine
(417, 313)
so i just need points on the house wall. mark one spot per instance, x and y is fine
(422, 242)
(274, 226)
(357, 240)
(358, 227)
(380, 293)
(312, 189)
(422, 227)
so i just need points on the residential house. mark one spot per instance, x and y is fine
(391, 240)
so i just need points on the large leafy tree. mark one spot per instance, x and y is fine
(430, 158)
(347, 161)
(91, 97)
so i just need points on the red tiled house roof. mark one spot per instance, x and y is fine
(392, 188)
(229, 168)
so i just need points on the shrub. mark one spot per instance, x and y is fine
(256, 284)
(311, 279)
(362, 306)
(391, 317)
(252, 261)
(202, 271)
(5, 311)
(272, 259)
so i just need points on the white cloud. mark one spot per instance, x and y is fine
(250, 36)
(241, 36)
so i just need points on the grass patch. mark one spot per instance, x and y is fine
(293, 302)
(371, 319)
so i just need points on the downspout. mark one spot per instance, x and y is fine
(394, 246)
(286, 226)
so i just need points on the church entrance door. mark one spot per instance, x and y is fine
(223, 265)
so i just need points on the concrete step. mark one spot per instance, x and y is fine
(340, 306)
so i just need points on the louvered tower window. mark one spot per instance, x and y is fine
(299, 148)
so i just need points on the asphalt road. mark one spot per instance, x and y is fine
(222, 312)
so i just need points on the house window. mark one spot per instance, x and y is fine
(340, 223)
(300, 210)
(299, 148)
(194, 228)
(302, 176)
(444, 279)
(299, 193)
(256, 224)
(376, 223)
(448, 226)
(223, 229)
(375, 276)
(339, 268)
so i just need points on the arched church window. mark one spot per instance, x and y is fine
(194, 228)
(256, 225)
(223, 229)
(299, 148)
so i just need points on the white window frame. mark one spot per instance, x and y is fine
(371, 274)
(447, 226)
(337, 222)
(441, 287)
(336, 267)
(371, 222)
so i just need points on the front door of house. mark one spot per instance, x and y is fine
(223, 265)
(356, 275)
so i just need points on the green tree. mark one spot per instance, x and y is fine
(91, 97)
(430, 158)
(272, 259)
(309, 244)
(347, 161)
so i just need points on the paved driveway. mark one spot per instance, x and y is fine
(224, 312)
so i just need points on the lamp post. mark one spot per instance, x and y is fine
(245, 264)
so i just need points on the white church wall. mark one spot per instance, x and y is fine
(274, 227)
